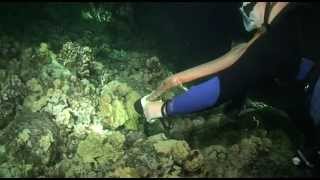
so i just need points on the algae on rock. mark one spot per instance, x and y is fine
(36, 99)
(94, 150)
(31, 138)
(126, 172)
(179, 149)
(158, 156)
(116, 106)
(12, 94)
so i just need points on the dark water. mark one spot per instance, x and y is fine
(197, 32)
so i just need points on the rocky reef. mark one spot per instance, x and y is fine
(66, 110)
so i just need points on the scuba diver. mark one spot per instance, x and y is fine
(273, 52)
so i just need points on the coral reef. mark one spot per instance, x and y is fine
(67, 110)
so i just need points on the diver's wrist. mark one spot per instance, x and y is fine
(164, 109)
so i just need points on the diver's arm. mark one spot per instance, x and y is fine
(203, 70)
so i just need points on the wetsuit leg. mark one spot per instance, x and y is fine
(315, 104)
(197, 98)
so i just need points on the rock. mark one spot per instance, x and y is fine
(178, 149)
(94, 150)
(32, 138)
(115, 138)
(126, 172)
(116, 106)
(12, 92)
(194, 162)
(64, 118)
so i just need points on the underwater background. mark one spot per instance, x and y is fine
(71, 72)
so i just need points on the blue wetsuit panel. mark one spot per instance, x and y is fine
(197, 98)
(315, 103)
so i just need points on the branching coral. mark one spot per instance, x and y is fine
(76, 58)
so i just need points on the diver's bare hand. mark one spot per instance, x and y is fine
(167, 84)
(154, 95)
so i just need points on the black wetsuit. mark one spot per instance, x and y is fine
(274, 54)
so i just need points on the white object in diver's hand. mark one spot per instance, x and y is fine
(144, 103)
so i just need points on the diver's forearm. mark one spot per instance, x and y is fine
(203, 70)
(213, 66)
